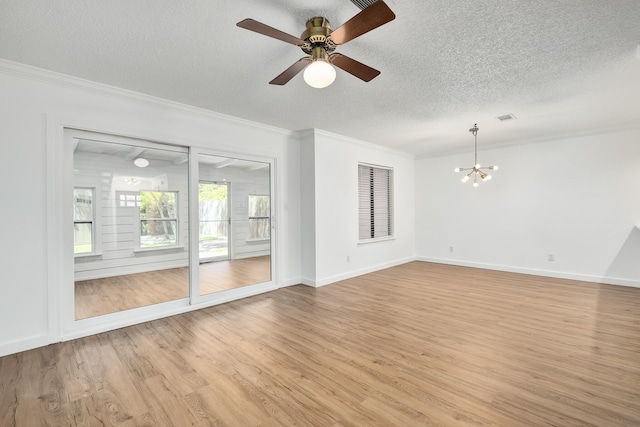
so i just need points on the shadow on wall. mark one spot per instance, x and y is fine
(618, 307)
(626, 264)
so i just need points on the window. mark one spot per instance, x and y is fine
(127, 199)
(259, 212)
(83, 220)
(158, 219)
(375, 202)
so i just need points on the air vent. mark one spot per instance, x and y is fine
(506, 117)
(363, 4)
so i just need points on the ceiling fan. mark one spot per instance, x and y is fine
(318, 41)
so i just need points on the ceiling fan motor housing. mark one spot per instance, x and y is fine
(317, 34)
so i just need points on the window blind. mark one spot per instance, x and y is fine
(375, 202)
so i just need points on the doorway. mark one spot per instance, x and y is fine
(131, 211)
(214, 221)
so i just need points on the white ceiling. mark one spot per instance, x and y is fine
(561, 66)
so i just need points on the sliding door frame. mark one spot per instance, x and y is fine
(244, 291)
(62, 325)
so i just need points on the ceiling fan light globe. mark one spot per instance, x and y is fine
(319, 74)
(141, 162)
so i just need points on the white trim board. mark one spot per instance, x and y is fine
(355, 273)
(24, 344)
(534, 272)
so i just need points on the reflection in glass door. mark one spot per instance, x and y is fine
(130, 223)
(234, 208)
(213, 221)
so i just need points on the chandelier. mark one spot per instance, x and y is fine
(476, 169)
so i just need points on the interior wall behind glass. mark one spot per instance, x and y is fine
(136, 209)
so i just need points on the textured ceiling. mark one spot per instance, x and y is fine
(561, 66)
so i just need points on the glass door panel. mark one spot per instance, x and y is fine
(131, 228)
(234, 223)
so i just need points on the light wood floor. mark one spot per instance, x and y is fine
(111, 294)
(418, 344)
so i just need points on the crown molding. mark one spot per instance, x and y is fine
(17, 69)
(582, 133)
(359, 142)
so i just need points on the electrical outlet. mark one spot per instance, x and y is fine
(551, 257)
(450, 248)
(348, 258)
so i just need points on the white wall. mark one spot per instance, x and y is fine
(31, 99)
(335, 220)
(575, 198)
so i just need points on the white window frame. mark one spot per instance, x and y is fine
(267, 217)
(375, 203)
(94, 240)
(139, 247)
(127, 199)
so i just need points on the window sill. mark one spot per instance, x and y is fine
(376, 240)
(258, 240)
(88, 255)
(157, 249)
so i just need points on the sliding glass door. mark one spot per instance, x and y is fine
(132, 209)
(234, 204)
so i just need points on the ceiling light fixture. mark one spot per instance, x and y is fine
(141, 162)
(132, 181)
(320, 73)
(476, 169)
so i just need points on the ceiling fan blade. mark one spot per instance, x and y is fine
(370, 18)
(353, 67)
(259, 27)
(290, 72)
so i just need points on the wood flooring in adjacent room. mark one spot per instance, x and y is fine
(418, 344)
(111, 294)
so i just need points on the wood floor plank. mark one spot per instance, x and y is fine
(413, 345)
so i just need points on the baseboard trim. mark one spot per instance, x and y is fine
(356, 273)
(291, 282)
(24, 344)
(536, 272)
